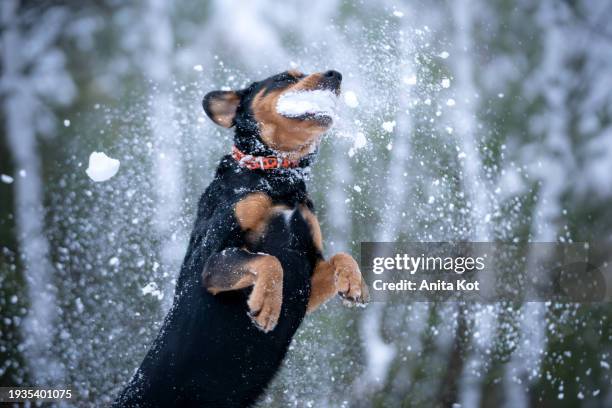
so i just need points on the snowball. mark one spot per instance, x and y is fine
(445, 82)
(317, 102)
(6, 179)
(444, 55)
(388, 126)
(101, 167)
(357, 188)
(350, 98)
(66, 123)
(198, 68)
(398, 14)
(450, 102)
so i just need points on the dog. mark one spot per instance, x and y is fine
(254, 266)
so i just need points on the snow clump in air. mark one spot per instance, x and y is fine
(350, 98)
(152, 289)
(388, 126)
(101, 167)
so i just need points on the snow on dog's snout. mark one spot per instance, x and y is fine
(316, 103)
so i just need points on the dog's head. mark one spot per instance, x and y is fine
(287, 112)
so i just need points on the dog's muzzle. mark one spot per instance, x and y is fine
(331, 80)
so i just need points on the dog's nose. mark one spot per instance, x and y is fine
(331, 74)
(331, 80)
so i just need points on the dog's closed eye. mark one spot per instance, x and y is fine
(285, 77)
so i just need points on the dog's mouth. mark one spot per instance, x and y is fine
(317, 105)
(322, 118)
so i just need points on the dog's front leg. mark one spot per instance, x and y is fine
(236, 268)
(340, 275)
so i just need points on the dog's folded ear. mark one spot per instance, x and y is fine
(221, 107)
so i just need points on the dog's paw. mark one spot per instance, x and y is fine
(264, 311)
(265, 301)
(349, 282)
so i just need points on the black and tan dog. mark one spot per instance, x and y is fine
(254, 265)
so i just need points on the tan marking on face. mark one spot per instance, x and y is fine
(295, 73)
(294, 137)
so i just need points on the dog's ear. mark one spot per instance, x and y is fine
(221, 107)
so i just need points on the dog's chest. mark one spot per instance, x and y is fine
(287, 227)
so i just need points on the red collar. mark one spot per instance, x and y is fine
(262, 162)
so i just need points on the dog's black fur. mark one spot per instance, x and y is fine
(208, 352)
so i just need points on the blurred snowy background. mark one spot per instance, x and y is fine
(463, 120)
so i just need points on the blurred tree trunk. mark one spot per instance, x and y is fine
(459, 385)
(448, 393)
(21, 107)
(167, 161)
